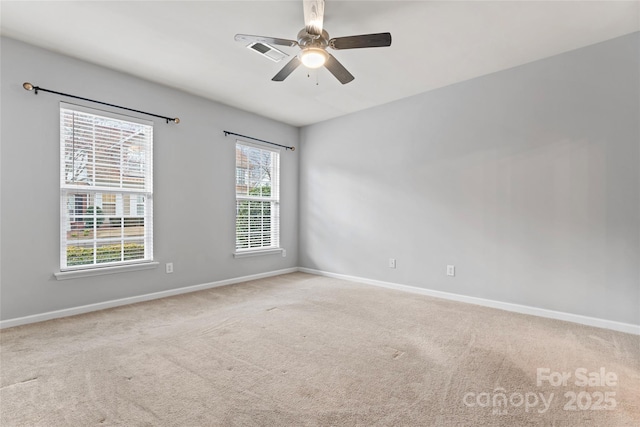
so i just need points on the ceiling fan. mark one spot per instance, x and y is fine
(313, 41)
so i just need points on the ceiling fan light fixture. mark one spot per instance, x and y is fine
(313, 57)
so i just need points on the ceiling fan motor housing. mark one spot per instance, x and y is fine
(306, 40)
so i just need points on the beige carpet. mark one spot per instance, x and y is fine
(306, 350)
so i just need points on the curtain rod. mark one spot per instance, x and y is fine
(226, 132)
(29, 86)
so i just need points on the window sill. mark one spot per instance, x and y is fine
(99, 271)
(245, 254)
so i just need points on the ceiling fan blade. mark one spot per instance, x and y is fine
(338, 70)
(261, 39)
(365, 40)
(288, 69)
(313, 16)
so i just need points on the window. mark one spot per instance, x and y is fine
(106, 189)
(241, 176)
(109, 204)
(257, 198)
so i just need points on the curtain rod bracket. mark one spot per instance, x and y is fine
(28, 86)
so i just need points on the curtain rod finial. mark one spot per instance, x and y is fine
(176, 120)
(27, 86)
(293, 148)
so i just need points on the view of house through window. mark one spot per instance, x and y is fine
(106, 189)
(257, 198)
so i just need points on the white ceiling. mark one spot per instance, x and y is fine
(189, 45)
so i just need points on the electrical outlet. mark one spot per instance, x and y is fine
(169, 268)
(451, 270)
(284, 253)
(392, 263)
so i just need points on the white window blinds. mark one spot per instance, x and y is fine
(257, 197)
(106, 188)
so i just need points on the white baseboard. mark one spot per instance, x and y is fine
(131, 300)
(517, 308)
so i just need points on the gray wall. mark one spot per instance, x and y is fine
(526, 180)
(194, 173)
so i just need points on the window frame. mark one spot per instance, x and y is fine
(95, 191)
(273, 199)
